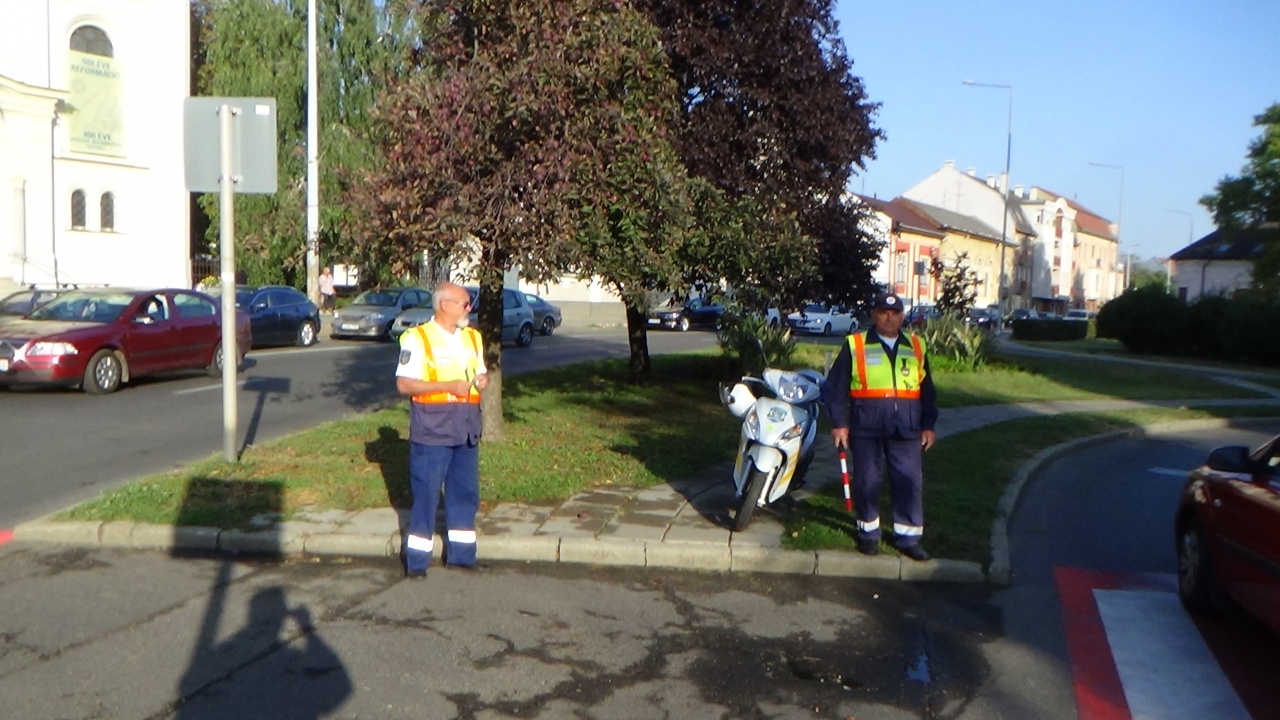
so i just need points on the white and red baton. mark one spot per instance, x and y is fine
(844, 477)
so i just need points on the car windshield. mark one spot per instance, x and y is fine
(243, 298)
(90, 307)
(814, 308)
(375, 297)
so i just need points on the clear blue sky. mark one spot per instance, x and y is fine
(1166, 90)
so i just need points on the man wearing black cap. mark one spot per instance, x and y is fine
(882, 404)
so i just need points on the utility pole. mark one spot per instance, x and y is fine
(1004, 190)
(313, 161)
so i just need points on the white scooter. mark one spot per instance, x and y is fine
(778, 429)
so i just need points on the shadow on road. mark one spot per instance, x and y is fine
(276, 665)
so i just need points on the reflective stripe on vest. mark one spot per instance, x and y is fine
(468, 373)
(881, 380)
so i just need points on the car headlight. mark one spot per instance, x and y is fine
(49, 349)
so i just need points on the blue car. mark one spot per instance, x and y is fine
(279, 315)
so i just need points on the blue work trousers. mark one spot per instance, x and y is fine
(455, 469)
(867, 464)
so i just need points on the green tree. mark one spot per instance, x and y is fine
(958, 284)
(257, 48)
(1253, 197)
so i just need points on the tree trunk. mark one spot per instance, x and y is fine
(640, 370)
(490, 327)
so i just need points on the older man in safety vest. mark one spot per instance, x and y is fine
(442, 369)
(881, 400)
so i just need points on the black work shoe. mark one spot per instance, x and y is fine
(869, 547)
(915, 552)
(415, 575)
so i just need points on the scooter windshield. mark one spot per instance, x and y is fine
(791, 387)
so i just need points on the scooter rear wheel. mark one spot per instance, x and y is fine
(750, 498)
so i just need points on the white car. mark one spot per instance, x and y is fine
(823, 319)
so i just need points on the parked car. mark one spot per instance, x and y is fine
(24, 301)
(1082, 315)
(103, 338)
(279, 315)
(694, 312)
(986, 319)
(1227, 532)
(373, 312)
(546, 317)
(517, 317)
(918, 315)
(1020, 314)
(823, 319)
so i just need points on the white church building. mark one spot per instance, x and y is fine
(91, 142)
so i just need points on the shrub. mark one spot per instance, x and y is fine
(1145, 320)
(737, 337)
(953, 344)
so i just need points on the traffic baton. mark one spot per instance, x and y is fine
(844, 477)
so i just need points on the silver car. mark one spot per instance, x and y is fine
(546, 317)
(373, 312)
(517, 317)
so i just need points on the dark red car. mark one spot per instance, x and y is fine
(101, 338)
(1228, 532)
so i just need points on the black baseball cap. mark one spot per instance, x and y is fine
(887, 301)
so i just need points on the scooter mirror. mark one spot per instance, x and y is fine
(738, 399)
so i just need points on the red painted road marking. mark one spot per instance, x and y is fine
(5, 536)
(1246, 654)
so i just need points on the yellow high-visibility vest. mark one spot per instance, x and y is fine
(881, 379)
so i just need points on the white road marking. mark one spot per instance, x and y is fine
(1167, 671)
(1168, 471)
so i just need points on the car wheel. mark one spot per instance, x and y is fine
(215, 365)
(103, 373)
(1195, 573)
(306, 334)
(548, 326)
(386, 333)
(826, 329)
(683, 323)
(524, 338)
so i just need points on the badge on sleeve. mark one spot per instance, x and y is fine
(404, 357)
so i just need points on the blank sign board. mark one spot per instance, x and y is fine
(253, 132)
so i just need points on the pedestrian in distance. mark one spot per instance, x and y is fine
(441, 368)
(882, 404)
(328, 294)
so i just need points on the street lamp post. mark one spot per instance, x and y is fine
(1128, 265)
(1004, 220)
(1119, 214)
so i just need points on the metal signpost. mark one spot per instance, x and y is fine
(230, 148)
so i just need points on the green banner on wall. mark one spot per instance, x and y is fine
(97, 106)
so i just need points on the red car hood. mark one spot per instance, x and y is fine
(18, 332)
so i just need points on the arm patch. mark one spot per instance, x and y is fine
(405, 355)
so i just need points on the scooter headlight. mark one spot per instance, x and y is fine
(793, 432)
(753, 425)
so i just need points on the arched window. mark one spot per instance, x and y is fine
(92, 40)
(77, 210)
(107, 212)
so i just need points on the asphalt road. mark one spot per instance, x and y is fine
(61, 447)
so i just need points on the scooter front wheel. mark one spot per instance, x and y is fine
(750, 498)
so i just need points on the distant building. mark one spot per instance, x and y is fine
(91, 142)
(912, 240)
(1221, 263)
(1074, 254)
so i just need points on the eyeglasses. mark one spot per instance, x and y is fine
(466, 304)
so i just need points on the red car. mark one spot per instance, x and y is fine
(101, 338)
(1228, 532)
